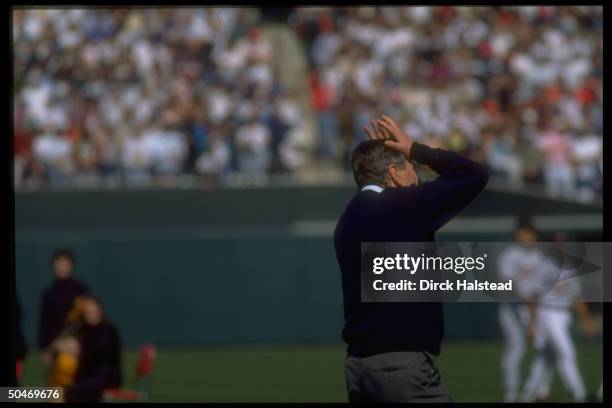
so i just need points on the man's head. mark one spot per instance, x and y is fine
(93, 311)
(525, 233)
(63, 263)
(374, 163)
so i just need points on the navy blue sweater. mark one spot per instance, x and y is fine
(403, 214)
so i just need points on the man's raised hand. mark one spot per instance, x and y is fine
(377, 131)
(398, 140)
(386, 129)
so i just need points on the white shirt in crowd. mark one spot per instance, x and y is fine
(165, 150)
(53, 150)
(588, 152)
(255, 137)
(134, 154)
(215, 159)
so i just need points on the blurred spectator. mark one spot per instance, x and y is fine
(587, 153)
(54, 152)
(57, 300)
(558, 171)
(322, 95)
(136, 157)
(218, 155)
(503, 160)
(22, 144)
(170, 146)
(99, 354)
(531, 160)
(252, 142)
(279, 127)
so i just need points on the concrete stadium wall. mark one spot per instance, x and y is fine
(225, 266)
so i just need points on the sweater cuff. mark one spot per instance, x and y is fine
(421, 153)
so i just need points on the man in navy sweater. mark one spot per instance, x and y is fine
(392, 347)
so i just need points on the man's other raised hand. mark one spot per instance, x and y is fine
(385, 128)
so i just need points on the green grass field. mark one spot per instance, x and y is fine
(471, 371)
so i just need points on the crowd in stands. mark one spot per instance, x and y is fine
(146, 93)
(518, 88)
(154, 93)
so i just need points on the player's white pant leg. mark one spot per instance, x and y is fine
(537, 372)
(538, 383)
(557, 324)
(540, 373)
(600, 391)
(514, 348)
(544, 388)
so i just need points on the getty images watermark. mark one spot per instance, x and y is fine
(549, 272)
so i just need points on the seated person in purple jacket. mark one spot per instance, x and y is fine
(99, 355)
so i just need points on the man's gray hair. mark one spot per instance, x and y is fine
(370, 161)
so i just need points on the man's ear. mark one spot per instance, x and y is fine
(393, 173)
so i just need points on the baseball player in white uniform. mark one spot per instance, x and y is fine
(518, 262)
(559, 290)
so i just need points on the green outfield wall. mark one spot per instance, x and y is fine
(227, 266)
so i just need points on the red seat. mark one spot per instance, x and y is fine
(19, 369)
(146, 358)
(144, 367)
(119, 394)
